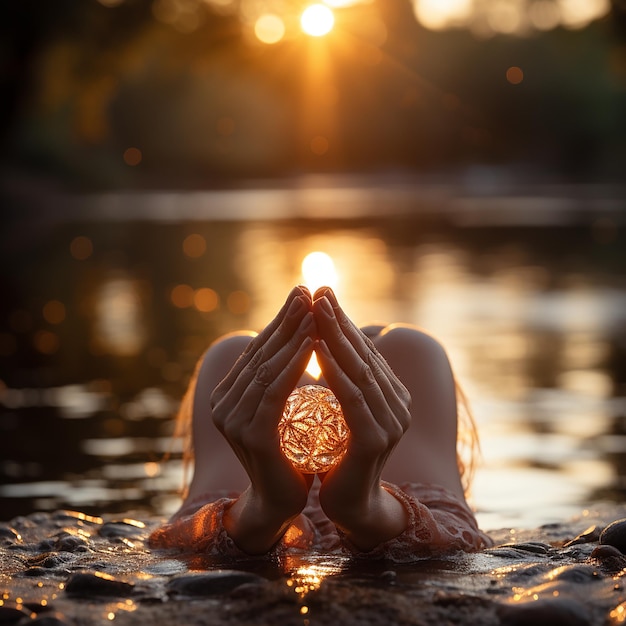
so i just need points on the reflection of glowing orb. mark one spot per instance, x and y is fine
(317, 20)
(313, 433)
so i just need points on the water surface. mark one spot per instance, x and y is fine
(104, 319)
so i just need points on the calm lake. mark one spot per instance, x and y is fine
(105, 311)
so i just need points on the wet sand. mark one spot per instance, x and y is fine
(69, 568)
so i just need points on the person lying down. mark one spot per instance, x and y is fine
(399, 490)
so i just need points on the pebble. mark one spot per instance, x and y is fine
(575, 574)
(10, 615)
(88, 585)
(549, 612)
(124, 528)
(615, 535)
(591, 535)
(211, 583)
(529, 546)
(8, 535)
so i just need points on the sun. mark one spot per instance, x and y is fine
(317, 20)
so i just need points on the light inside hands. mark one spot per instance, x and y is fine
(313, 432)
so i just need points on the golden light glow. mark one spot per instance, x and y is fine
(318, 270)
(206, 300)
(437, 14)
(313, 433)
(269, 28)
(317, 20)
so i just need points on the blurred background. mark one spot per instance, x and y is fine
(167, 166)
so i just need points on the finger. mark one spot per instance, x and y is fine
(266, 343)
(273, 400)
(366, 372)
(255, 379)
(362, 344)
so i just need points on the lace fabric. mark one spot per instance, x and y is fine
(439, 524)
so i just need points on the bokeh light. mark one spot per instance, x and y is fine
(182, 296)
(206, 300)
(269, 28)
(515, 75)
(54, 312)
(132, 156)
(317, 20)
(81, 248)
(319, 145)
(194, 246)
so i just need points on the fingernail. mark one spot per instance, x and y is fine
(330, 294)
(296, 306)
(326, 306)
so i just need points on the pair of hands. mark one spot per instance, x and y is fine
(247, 406)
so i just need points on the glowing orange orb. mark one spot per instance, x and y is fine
(313, 432)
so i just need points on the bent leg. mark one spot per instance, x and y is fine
(427, 451)
(216, 467)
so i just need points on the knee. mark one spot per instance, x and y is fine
(403, 340)
(227, 349)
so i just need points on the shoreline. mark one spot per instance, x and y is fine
(66, 567)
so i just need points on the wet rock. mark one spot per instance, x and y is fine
(389, 577)
(49, 619)
(75, 516)
(524, 573)
(610, 558)
(9, 536)
(590, 535)
(66, 542)
(166, 568)
(615, 535)
(549, 612)
(10, 615)
(97, 585)
(575, 574)
(211, 583)
(507, 551)
(52, 560)
(127, 529)
(534, 547)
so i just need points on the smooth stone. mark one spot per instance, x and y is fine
(166, 568)
(590, 535)
(10, 615)
(549, 612)
(529, 546)
(507, 552)
(9, 535)
(75, 516)
(615, 535)
(125, 529)
(211, 583)
(66, 542)
(88, 585)
(575, 574)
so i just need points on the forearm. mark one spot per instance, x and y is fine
(255, 527)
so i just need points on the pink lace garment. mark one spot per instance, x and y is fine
(439, 524)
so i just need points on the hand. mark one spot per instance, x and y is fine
(376, 406)
(247, 406)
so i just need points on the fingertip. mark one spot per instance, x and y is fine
(302, 290)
